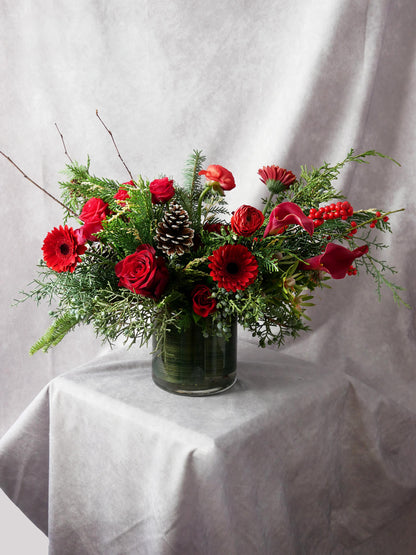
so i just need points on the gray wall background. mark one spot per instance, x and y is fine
(251, 83)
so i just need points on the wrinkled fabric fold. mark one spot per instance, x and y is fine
(292, 459)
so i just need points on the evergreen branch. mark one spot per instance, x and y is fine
(191, 172)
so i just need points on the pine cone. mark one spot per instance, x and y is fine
(174, 234)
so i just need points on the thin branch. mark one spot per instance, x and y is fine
(38, 186)
(114, 142)
(63, 142)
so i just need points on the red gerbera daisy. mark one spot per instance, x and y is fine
(233, 267)
(61, 250)
(276, 178)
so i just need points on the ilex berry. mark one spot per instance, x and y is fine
(332, 211)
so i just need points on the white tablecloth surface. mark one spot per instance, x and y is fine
(293, 459)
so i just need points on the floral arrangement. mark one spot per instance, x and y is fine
(145, 256)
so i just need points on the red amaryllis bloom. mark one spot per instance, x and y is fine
(162, 190)
(285, 214)
(233, 267)
(276, 178)
(335, 260)
(218, 174)
(202, 302)
(246, 220)
(143, 273)
(61, 250)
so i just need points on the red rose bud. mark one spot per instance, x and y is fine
(94, 211)
(285, 214)
(220, 175)
(276, 179)
(121, 196)
(202, 302)
(162, 190)
(336, 260)
(246, 220)
(216, 228)
(143, 273)
(61, 249)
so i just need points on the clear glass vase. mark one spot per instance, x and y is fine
(191, 364)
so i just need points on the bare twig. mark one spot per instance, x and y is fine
(38, 186)
(63, 142)
(114, 142)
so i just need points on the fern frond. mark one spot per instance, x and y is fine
(62, 325)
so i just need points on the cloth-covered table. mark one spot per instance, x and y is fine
(293, 459)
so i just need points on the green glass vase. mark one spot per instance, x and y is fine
(191, 364)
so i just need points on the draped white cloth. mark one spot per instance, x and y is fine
(293, 459)
(250, 83)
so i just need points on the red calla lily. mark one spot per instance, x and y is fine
(335, 260)
(285, 214)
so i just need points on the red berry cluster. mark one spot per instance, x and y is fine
(352, 271)
(378, 214)
(333, 211)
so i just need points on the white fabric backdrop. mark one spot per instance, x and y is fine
(251, 83)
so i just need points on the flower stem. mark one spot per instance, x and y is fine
(269, 200)
(201, 198)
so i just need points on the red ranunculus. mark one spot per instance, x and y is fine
(202, 302)
(162, 190)
(246, 220)
(220, 175)
(143, 273)
(276, 178)
(335, 260)
(285, 214)
(61, 249)
(233, 267)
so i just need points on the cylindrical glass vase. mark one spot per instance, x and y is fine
(191, 364)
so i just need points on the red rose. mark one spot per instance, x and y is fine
(143, 273)
(94, 211)
(285, 214)
(86, 232)
(246, 220)
(202, 302)
(162, 190)
(220, 175)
